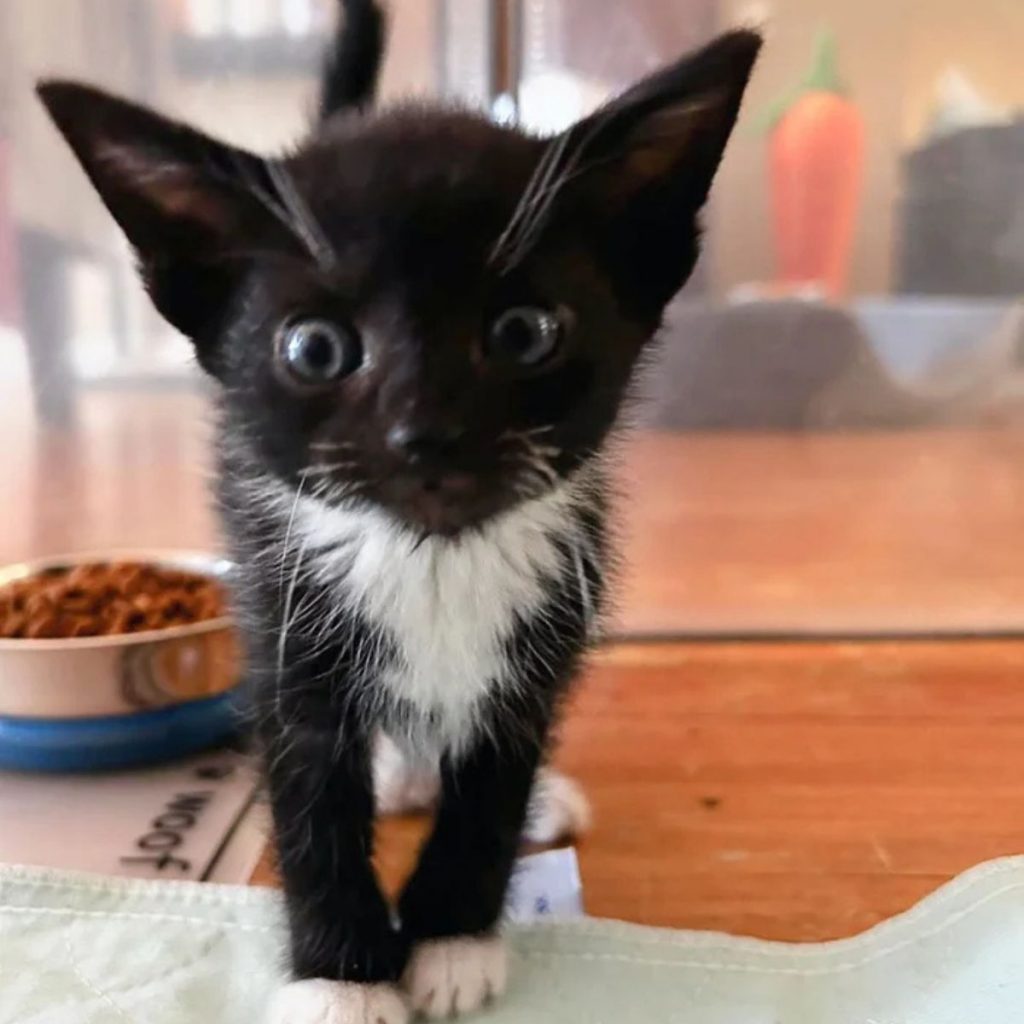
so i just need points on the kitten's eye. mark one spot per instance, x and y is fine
(525, 336)
(317, 351)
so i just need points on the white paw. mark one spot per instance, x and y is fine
(319, 1001)
(446, 977)
(558, 809)
(399, 785)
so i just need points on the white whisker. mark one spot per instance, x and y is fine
(300, 217)
(559, 165)
(288, 530)
(319, 469)
(282, 637)
(542, 174)
(548, 450)
(331, 446)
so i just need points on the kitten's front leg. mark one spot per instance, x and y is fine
(346, 955)
(453, 903)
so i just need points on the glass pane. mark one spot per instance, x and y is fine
(831, 438)
(823, 448)
(103, 411)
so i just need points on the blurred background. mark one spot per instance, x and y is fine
(831, 440)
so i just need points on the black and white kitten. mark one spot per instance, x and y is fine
(423, 326)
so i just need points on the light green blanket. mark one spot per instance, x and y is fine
(79, 950)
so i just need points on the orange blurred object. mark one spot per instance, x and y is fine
(816, 160)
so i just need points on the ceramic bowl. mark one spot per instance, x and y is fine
(107, 701)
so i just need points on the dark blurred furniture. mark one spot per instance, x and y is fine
(755, 365)
(795, 365)
(963, 214)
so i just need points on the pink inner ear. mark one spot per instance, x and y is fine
(174, 189)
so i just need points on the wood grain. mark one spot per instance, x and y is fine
(723, 533)
(912, 531)
(789, 791)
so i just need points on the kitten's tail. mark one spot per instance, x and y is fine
(353, 62)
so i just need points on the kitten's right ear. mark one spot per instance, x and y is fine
(642, 165)
(192, 207)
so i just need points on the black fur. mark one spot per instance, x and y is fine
(413, 231)
(353, 63)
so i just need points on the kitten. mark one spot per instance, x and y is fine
(423, 326)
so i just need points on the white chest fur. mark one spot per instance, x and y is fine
(448, 605)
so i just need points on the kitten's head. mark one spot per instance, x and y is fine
(417, 307)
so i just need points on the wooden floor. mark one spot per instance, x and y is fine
(790, 791)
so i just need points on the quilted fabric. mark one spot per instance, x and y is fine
(79, 950)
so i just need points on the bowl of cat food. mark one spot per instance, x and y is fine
(114, 660)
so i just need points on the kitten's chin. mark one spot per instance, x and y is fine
(459, 505)
(434, 517)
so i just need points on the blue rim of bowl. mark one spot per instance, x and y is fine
(118, 741)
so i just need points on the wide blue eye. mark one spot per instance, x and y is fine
(316, 351)
(525, 336)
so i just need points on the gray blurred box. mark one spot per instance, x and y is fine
(963, 214)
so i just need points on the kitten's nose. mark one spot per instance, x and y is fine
(421, 443)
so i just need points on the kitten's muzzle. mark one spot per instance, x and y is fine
(434, 499)
(435, 481)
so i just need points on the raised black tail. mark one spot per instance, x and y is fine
(354, 59)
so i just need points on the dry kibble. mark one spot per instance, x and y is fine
(76, 599)
(38, 603)
(44, 626)
(86, 575)
(129, 579)
(13, 625)
(136, 622)
(85, 626)
(106, 599)
(128, 622)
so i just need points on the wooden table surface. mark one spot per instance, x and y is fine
(913, 531)
(788, 791)
(798, 790)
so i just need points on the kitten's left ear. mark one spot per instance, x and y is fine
(192, 207)
(643, 164)
(671, 128)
